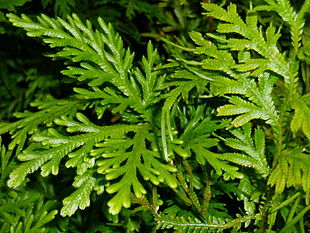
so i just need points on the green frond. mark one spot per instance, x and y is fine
(182, 90)
(48, 112)
(253, 147)
(265, 45)
(240, 77)
(80, 198)
(300, 119)
(224, 118)
(191, 224)
(59, 146)
(197, 140)
(96, 147)
(259, 105)
(292, 169)
(126, 162)
(104, 63)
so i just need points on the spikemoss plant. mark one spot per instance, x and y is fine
(224, 121)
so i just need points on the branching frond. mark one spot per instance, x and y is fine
(258, 103)
(292, 169)
(101, 148)
(52, 147)
(181, 90)
(48, 112)
(253, 39)
(103, 62)
(127, 160)
(191, 224)
(300, 119)
(296, 21)
(253, 149)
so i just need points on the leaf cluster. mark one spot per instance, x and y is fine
(202, 131)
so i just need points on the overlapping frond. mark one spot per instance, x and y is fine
(252, 146)
(49, 110)
(252, 39)
(181, 91)
(24, 211)
(146, 119)
(103, 62)
(239, 78)
(197, 141)
(96, 149)
(292, 169)
(300, 119)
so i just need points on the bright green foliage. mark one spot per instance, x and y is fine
(190, 224)
(301, 117)
(258, 103)
(102, 59)
(254, 149)
(137, 158)
(249, 70)
(107, 65)
(51, 147)
(248, 85)
(292, 170)
(211, 135)
(50, 111)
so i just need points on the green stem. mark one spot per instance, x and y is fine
(293, 210)
(286, 202)
(294, 220)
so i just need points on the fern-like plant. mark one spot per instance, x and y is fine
(223, 120)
